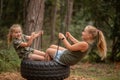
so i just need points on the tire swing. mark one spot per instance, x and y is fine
(43, 70)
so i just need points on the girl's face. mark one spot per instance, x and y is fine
(85, 34)
(17, 33)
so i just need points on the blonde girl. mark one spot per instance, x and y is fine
(22, 43)
(73, 53)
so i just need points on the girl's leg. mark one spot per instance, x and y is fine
(51, 52)
(36, 57)
(37, 52)
(56, 47)
(47, 57)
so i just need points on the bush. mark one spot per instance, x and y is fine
(9, 60)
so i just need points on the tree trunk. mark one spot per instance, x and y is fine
(53, 21)
(34, 19)
(68, 15)
(1, 9)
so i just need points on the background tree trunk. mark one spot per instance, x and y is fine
(68, 15)
(53, 20)
(1, 8)
(34, 19)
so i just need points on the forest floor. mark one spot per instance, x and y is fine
(81, 71)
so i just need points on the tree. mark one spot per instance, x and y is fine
(53, 20)
(115, 33)
(68, 15)
(34, 19)
(65, 13)
(1, 7)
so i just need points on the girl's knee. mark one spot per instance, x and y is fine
(53, 46)
(30, 56)
(47, 50)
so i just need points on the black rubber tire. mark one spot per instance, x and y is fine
(42, 70)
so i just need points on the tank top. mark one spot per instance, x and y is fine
(73, 57)
(21, 51)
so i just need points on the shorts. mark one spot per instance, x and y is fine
(26, 54)
(58, 55)
(29, 53)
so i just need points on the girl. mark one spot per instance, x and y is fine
(73, 53)
(22, 43)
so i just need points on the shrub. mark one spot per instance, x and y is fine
(9, 60)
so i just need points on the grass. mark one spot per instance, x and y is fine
(9, 60)
(97, 71)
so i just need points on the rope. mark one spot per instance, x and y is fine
(61, 26)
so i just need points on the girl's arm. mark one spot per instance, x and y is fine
(68, 35)
(30, 39)
(27, 37)
(35, 35)
(82, 46)
(38, 34)
(29, 42)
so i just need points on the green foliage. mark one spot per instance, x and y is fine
(117, 57)
(3, 33)
(11, 12)
(9, 60)
(79, 22)
(92, 57)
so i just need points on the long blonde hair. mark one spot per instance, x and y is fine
(11, 30)
(99, 39)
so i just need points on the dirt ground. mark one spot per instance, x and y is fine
(17, 76)
(11, 76)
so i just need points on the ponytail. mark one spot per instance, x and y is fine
(101, 45)
(99, 40)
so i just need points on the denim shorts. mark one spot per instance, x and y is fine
(58, 55)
